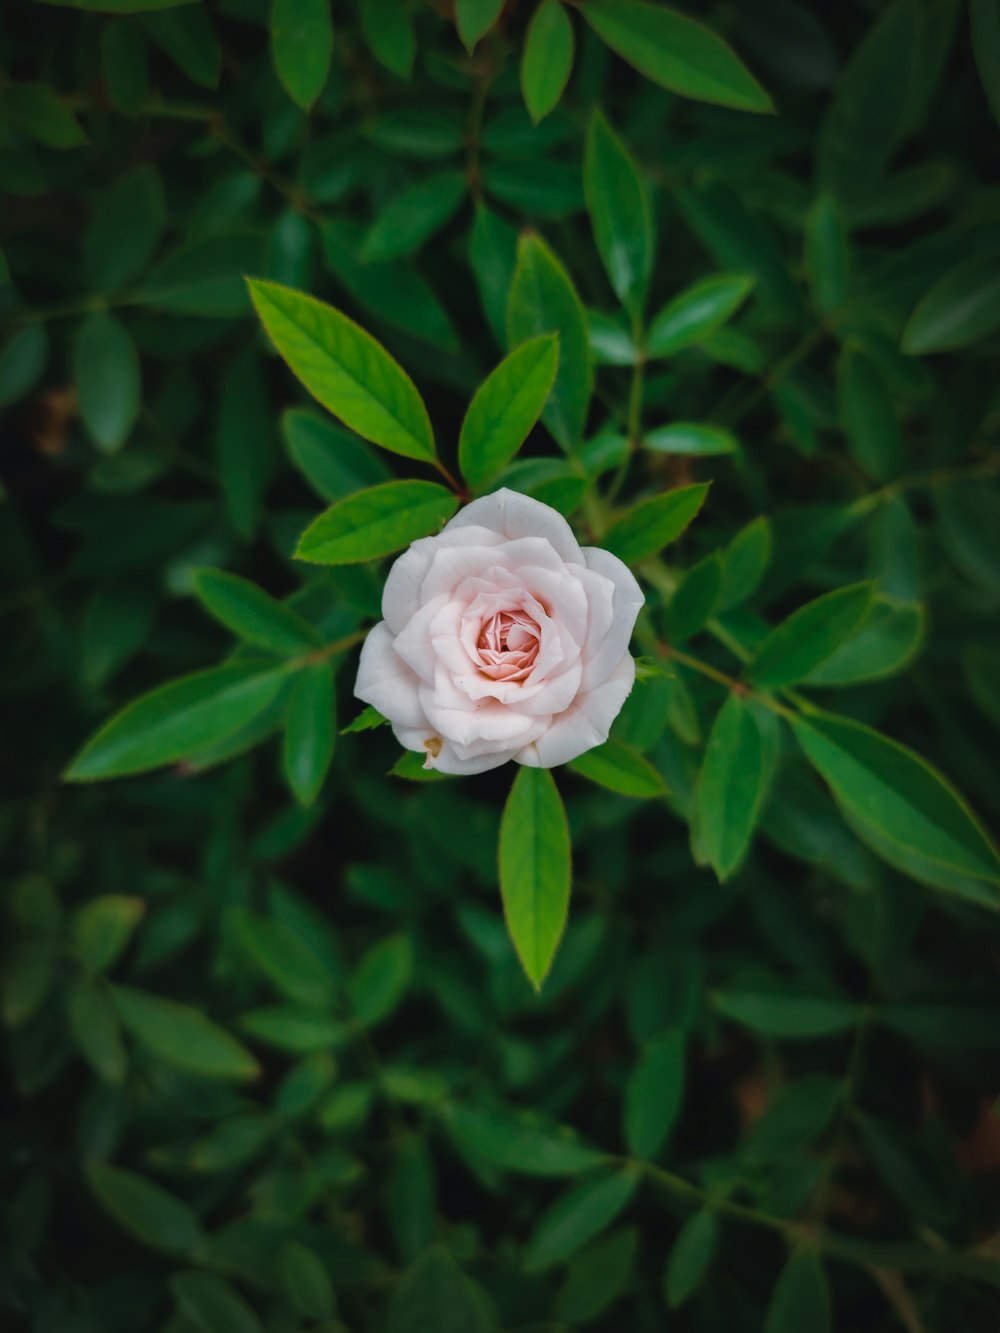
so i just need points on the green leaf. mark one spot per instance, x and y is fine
(103, 927)
(619, 214)
(776, 1007)
(107, 378)
(799, 1113)
(244, 444)
(204, 278)
(96, 1030)
(35, 110)
(598, 1276)
(310, 731)
(381, 979)
(305, 1281)
(886, 787)
(346, 370)
(414, 216)
(211, 1305)
(302, 47)
(826, 254)
(692, 438)
(695, 598)
(868, 415)
(620, 769)
(156, 1217)
(284, 958)
(493, 257)
(801, 1297)
(124, 60)
(692, 1254)
(183, 1037)
(651, 524)
(376, 522)
(177, 719)
(576, 1217)
(542, 299)
(435, 1294)
(982, 675)
(810, 635)
(23, 358)
(388, 29)
(189, 39)
(294, 1028)
(367, 720)
(474, 19)
(333, 461)
(675, 52)
(961, 308)
(547, 60)
(252, 614)
(697, 312)
(733, 782)
(27, 979)
(984, 16)
(520, 1143)
(535, 870)
(887, 642)
(124, 229)
(653, 1095)
(505, 408)
(744, 563)
(924, 1179)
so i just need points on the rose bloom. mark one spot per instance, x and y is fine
(503, 638)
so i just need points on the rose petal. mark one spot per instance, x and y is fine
(601, 657)
(386, 682)
(402, 597)
(414, 643)
(513, 515)
(584, 725)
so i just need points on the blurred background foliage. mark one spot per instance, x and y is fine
(272, 1060)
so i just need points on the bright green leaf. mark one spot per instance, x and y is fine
(651, 524)
(621, 769)
(376, 522)
(547, 60)
(535, 869)
(252, 614)
(698, 312)
(505, 408)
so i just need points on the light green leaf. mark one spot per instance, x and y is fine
(413, 217)
(381, 979)
(547, 61)
(651, 524)
(961, 308)
(887, 642)
(388, 29)
(367, 720)
(505, 408)
(801, 1298)
(284, 957)
(692, 1253)
(376, 522)
(653, 1095)
(733, 782)
(690, 437)
(535, 869)
(520, 1143)
(902, 798)
(778, 1007)
(810, 635)
(177, 719)
(676, 53)
(984, 16)
(826, 254)
(542, 299)
(577, 1216)
(252, 614)
(96, 1030)
(211, 1305)
(346, 370)
(107, 378)
(621, 769)
(310, 731)
(475, 18)
(698, 312)
(154, 1216)
(868, 415)
(103, 927)
(302, 47)
(619, 214)
(182, 1036)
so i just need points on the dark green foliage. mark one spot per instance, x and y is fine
(698, 1032)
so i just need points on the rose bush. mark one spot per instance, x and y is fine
(502, 639)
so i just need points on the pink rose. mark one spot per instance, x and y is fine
(502, 639)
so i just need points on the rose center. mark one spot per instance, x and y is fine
(508, 645)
